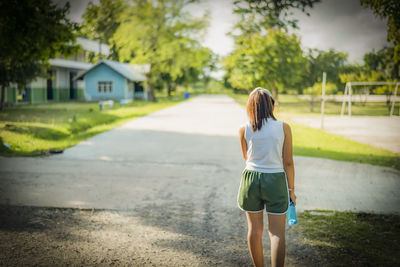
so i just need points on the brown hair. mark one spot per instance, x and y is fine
(259, 107)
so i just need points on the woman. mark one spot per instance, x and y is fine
(268, 179)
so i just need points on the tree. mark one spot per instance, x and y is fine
(161, 34)
(382, 61)
(331, 62)
(272, 13)
(380, 66)
(101, 21)
(265, 54)
(203, 63)
(272, 60)
(390, 10)
(373, 70)
(31, 32)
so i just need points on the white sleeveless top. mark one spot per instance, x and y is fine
(264, 147)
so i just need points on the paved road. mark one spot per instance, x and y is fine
(184, 156)
(378, 131)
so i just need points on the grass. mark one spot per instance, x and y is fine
(351, 239)
(31, 130)
(327, 145)
(294, 105)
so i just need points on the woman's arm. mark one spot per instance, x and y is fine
(243, 143)
(287, 155)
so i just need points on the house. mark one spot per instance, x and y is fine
(114, 80)
(61, 84)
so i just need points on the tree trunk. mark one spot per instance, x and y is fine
(3, 95)
(274, 92)
(169, 89)
(151, 95)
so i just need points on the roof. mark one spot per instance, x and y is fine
(93, 46)
(64, 63)
(130, 72)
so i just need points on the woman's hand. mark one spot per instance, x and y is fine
(292, 196)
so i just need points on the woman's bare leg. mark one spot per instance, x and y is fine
(255, 223)
(276, 230)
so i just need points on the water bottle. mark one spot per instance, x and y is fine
(291, 214)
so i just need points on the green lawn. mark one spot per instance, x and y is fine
(327, 145)
(32, 130)
(294, 105)
(350, 239)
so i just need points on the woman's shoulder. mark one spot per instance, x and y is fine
(244, 125)
(286, 127)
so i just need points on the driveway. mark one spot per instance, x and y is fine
(186, 155)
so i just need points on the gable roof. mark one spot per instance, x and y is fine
(130, 72)
(65, 63)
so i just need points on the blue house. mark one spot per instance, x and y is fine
(60, 83)
(114, 80)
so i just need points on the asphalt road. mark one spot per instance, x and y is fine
(188, 156)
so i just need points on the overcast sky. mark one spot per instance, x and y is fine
(339, 24)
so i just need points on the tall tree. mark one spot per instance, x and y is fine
(202, 62)
(162, 34)
(390, 10)
(31, 32)
(382, 61)
(265, 54)
(273, 60)
(101, 21)
(331, 62)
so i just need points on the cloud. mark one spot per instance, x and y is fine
(343, 25)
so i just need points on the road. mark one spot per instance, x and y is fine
(185, 153)
(168, 182)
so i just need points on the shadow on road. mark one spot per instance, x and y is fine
(166, 235)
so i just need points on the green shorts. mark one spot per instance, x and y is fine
(259, 189)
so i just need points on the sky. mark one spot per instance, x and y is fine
(343, 25)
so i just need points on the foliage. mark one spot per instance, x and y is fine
(378, 67)
(31, 32)
(320, 61)
(162, 34)
(382, 62)
(202, 62)
(390, 10)
(272, 60)
(101, 21)
(272, 13)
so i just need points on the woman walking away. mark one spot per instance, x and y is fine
(268, 179)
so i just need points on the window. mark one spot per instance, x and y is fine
(104, 87)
